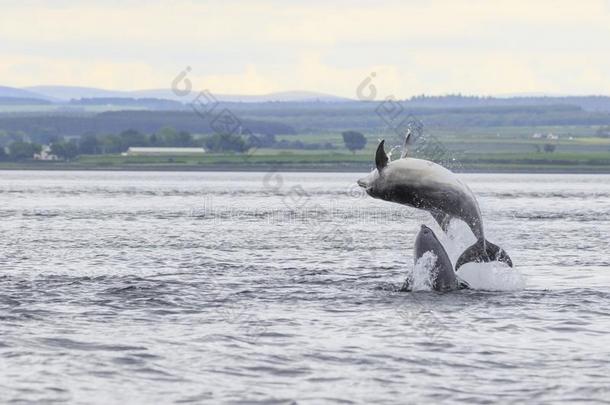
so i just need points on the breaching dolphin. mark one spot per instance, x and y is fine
(428, 186)
(443, 276)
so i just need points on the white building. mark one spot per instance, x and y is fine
(146, 151)
(45, 154)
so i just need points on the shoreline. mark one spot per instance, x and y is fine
(322, 168)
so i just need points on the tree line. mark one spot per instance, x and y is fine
(16, 147)
(303, 118)
(42, 128)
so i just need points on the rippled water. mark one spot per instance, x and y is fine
(253, 287)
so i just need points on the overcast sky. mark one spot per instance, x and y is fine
(256, 47)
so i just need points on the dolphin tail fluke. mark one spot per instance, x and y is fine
(483, 251)
(463, 285)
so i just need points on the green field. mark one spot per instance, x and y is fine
(327, 161)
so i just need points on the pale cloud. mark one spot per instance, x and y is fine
(250, 81)
(21, 71)
(436, 47)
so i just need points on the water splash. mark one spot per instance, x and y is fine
(421, 276)
(389, 154)
(493, 276)
(457, 239)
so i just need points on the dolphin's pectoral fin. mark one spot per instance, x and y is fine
(442, 219)
(483, 251)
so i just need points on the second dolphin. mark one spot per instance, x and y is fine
(443, 278)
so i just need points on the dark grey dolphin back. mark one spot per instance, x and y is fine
(427, 241)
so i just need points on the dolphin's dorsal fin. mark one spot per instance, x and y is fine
(381, 159)
(405, 146)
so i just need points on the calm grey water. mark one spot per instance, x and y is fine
(281, 288)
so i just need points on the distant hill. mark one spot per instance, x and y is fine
(285, 96)
(67, 93)
(95, 96)
(12, 92)
(19, 101)
(148, 103)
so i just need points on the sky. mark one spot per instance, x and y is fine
(258, 47)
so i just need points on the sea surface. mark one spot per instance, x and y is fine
(142, 288)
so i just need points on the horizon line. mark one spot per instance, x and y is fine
(316, 92)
